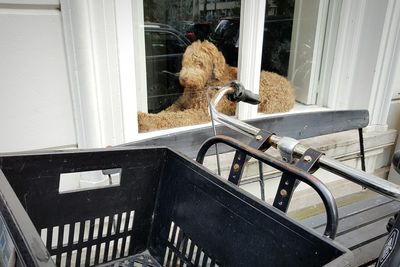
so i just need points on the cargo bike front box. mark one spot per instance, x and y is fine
(167, 211)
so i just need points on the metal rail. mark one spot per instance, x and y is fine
(372, 182)
(316, 184)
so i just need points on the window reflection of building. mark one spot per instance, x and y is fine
(169, 12)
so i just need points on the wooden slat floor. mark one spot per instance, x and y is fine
(362, 226)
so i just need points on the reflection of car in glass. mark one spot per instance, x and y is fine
(226, 37)
(164, 49)
(182, 25)
(276, 44)
(198, 31)
(194, 30)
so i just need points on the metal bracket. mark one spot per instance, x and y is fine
(286, 147)
(258, 142)
(309, 163)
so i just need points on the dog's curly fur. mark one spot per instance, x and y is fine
(203, 66)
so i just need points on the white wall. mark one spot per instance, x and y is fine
(367, 53)
(355, 57)
(35, 101)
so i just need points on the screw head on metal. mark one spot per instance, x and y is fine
(236, 167)
(283, 193)
(258, 137)
(307, 158)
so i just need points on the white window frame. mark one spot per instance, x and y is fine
(388, 67)
(348, 41)
(101, 39)
(252, 17)
(106, 107)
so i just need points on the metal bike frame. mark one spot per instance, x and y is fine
(372, 182)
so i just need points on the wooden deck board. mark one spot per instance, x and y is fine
(369, 252)
(345, 211)
(359, 236)
(357, 220)
(362, 226)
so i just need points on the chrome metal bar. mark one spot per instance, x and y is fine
(230, 122)
(372, 182)
(215, 133)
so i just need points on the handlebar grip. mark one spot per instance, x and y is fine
(241, 94)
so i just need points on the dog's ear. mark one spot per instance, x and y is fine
(219, 65)
(217, 59)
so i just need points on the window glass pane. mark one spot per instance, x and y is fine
(293, 42)
(163, 43)
(226, 37)
(170, 27)
(292, 47)
(277, 36)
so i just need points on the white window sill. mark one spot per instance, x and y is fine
(298, 108)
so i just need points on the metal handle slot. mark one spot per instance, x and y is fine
(89, 180)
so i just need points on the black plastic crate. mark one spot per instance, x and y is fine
(167, 210)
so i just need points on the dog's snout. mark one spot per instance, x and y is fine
(182, 80)
(192, 77)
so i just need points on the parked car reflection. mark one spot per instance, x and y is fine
(194, 31)
(164, 49)
(276, 44)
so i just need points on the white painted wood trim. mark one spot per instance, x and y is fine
(90, 29)
(79, 57)
(31, 2)
(318, 50)
(328, 56)
(106, 68)
(341, 88)
(140, 55)
(387, 66)
(127, 58)
(347, 45)
(252, 17)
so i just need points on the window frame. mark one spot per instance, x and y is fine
(92, 103)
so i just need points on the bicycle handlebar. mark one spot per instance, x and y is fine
(372, 182)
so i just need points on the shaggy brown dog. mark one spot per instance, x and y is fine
(203, 66)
